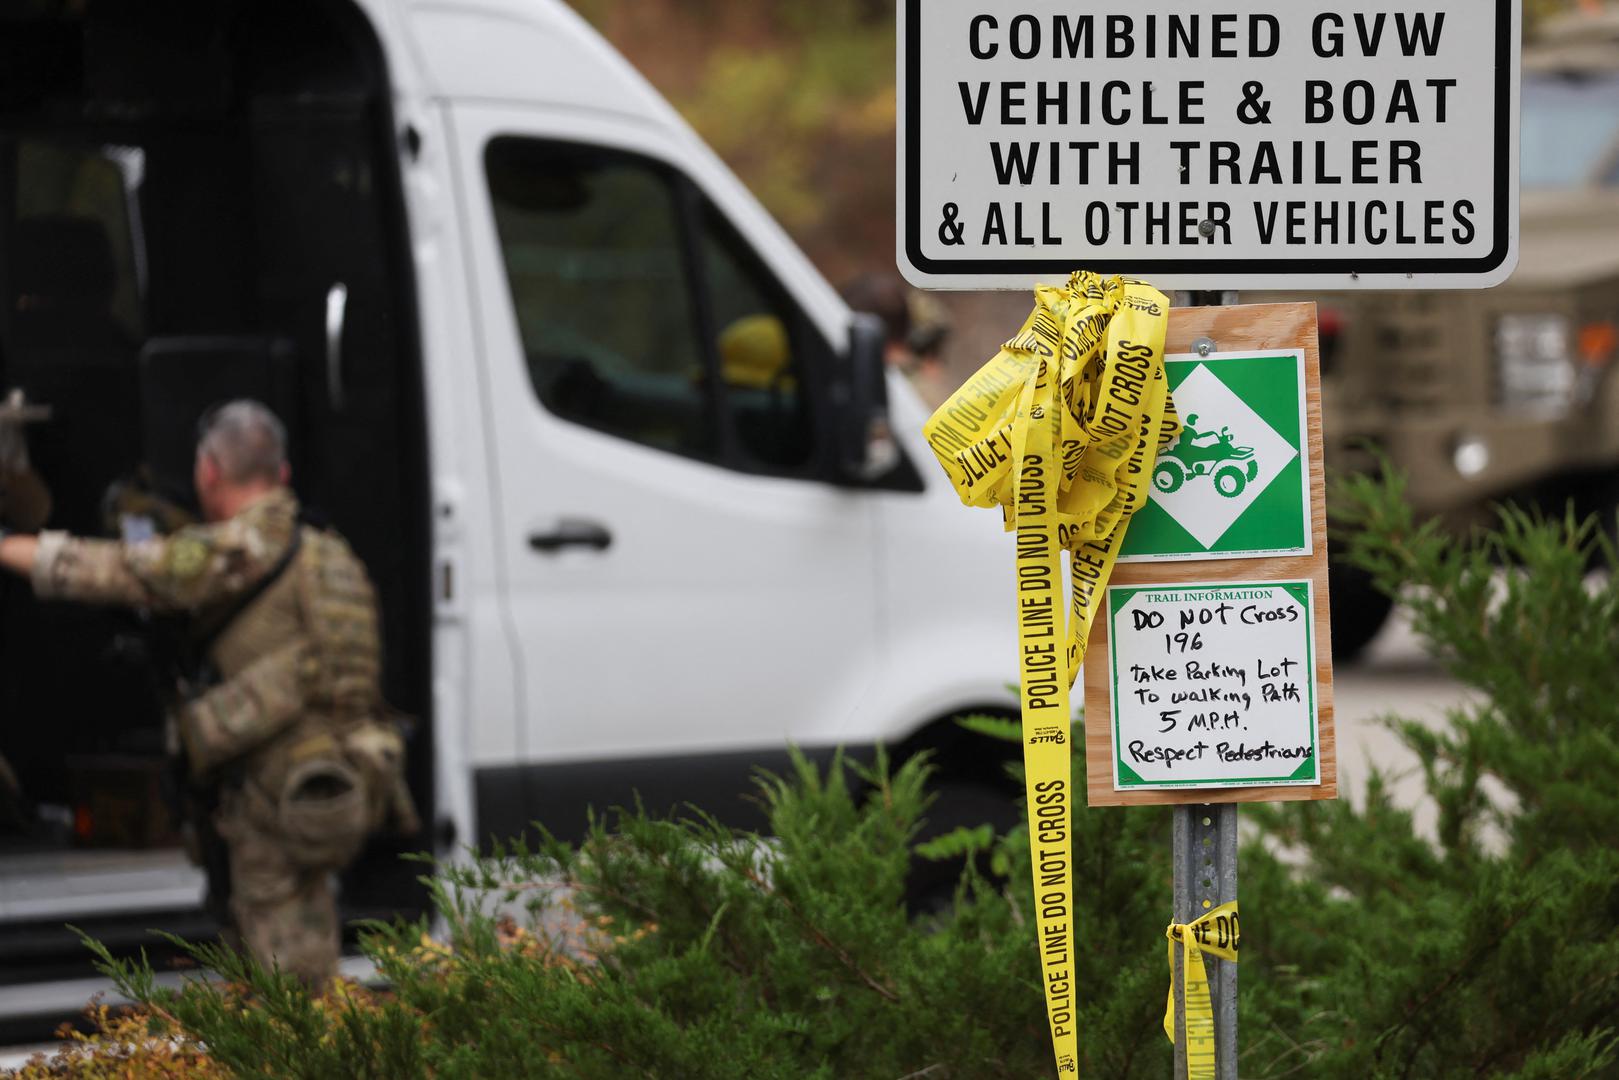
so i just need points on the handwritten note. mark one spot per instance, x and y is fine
(1213, 685)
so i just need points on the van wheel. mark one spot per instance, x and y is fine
(1597, 494)
(930, 887)
(1168, 477)
(1359, 608)
(1229, 481)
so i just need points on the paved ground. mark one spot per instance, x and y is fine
(1393, 677)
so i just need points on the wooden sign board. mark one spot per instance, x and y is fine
(1198, 680)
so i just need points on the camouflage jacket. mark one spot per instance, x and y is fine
(303, 653)
(199, 569)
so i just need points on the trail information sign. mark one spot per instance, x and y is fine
(1213, 685)
(1261, 144)
(1208, 676)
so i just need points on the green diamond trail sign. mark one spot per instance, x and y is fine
(1237, 483)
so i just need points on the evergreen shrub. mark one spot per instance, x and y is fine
(673, 947)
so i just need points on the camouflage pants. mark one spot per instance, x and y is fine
(284, 911)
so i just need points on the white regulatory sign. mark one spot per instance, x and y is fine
(1304, 144)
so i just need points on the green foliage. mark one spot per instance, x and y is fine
(996, 727)
(715, 954)
(797, 98)
(679, 948)
(788, 117)
(958, 843)
(1495, 950)
(1537, 11)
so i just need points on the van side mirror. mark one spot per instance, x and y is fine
(865, 442)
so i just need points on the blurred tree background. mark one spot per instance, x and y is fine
(1536, 10)
(798, 98)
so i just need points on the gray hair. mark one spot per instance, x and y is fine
(246, 439)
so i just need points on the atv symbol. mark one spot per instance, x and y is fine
(1230, 467)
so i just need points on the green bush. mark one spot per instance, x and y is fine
(1495, 951)
(705, 953)
(678, 948)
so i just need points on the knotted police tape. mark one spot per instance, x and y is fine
(1061, 430)
(1217, 933)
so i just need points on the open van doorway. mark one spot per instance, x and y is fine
(199, 200)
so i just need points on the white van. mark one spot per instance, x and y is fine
(599, 430)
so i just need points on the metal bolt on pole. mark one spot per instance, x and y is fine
(1205, 854)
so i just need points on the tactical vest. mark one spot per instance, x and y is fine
(300, 708)
(342, 674)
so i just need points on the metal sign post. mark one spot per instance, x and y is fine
(1205, 859)
(1211, 668)
(1203, 852)
(1291, 146)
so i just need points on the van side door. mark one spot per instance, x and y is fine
(681, 575)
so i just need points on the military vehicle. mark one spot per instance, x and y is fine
(1506, 393)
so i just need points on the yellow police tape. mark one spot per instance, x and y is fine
(1061, 430)
(1217, 933)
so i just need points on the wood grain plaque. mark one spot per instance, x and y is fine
(1241, 329)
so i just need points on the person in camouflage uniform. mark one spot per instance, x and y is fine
(291, 731)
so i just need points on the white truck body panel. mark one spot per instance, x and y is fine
(801, 611)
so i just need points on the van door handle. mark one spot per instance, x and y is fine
(337, 313)
(571, 532)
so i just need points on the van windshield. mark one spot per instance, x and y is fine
(1570, 125)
